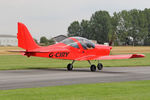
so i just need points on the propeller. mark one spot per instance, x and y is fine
(112, 39)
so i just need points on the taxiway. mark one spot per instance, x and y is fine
(13, 79)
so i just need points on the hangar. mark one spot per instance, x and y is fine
(8, 40)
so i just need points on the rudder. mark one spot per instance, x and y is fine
(25, 39)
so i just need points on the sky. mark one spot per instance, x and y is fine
(52, 17)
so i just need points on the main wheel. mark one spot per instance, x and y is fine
(99, 66)
(69, 67)
(93, 68)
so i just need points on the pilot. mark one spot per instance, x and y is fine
(87, 45)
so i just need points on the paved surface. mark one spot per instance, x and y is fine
(13, 79)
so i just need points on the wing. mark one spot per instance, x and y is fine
(110, 57)
(128, 56)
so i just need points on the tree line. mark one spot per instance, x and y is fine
(123, 28)
(44, 41)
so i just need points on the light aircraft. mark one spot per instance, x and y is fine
(71, 48)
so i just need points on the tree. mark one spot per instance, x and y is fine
(44, 40)
(147, 21)
(119, 28)
(101, 26)
(131, 24)
(112, 35)
(74, 29)
(85, 29)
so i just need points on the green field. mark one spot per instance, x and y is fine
(138, 90)
(22, 62)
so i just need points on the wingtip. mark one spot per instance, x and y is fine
(138, 56)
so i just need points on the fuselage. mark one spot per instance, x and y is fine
(72, 48)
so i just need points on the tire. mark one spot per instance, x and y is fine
(93, 68)
(99, 66)
(69, 67)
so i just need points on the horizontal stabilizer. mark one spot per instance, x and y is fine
(17, 51)
(41, 51)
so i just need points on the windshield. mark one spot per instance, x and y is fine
(70, 42)
(86, 44)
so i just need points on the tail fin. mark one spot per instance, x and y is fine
(25, 39)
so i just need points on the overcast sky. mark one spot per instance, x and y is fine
(52, 17)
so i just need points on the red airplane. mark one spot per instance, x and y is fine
(71, 48)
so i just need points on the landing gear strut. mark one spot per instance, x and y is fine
(92, 68)
(70, 66)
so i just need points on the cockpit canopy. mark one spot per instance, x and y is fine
(86, 44)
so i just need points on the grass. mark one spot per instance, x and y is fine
(22, 62)
(4, 50)
(137, 90)
(130, 49)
